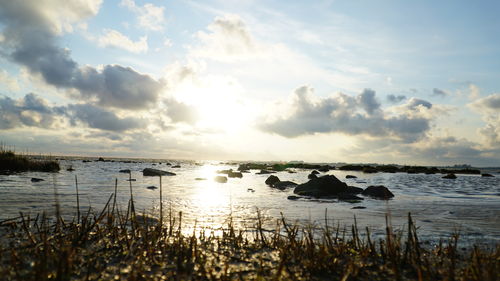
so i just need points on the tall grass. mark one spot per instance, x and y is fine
(11, 162)
(127, 246)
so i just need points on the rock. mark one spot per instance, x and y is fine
(36, 180)
(351, 177)
(152, 187)
(369, 170)
(346, 196)
(265, 172)
(220, 179)
(200, 179)
(359, 207)
(131, 180)
(155, 172)
(323, 186)
(312, 176)
(314, 172)
(232, 174)
(100, 159)
(127, 171)
(378, 191)
(291, 171)
(284, 184)
(224, 171)
(323, 169)
(354, 190)
(250, 190)
(450, 176)
(487, 175)
(271, 180)
(71, 169)
(293, 197)
(176, 166)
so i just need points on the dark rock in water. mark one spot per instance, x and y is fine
(36, 180)
(312, 176)
(345, 196)
(176, 166)
(378, 191)
(200, 179)
(127, 171)
(131, 180)
(152, 187)
(450, 176)
(359, 207)
(323, 186)
(291, 172)
(100, 159)
(314, 172)
(351, 177)
(220, 179)
(354, 190)
(323, 169)
(293, 197)
(487, 175)
(250, 190)
(265, 172)
(235, 174)
(370, 170)
(70, 169)
(272, 179)
(168, 164)
(224, 171)
(154, 172)
(284, 184)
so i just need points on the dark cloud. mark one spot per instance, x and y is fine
(439, 93)
(33, 111)
(29, 111)
(31, 41)
(368, 102)
(395, 99)
(345, 114)
(98, 118)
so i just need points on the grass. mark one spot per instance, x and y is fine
(11, 163)
(123, 245)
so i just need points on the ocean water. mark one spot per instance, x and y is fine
(469, 205)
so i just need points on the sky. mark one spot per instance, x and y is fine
(406, 82)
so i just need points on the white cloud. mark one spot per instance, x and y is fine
(474, 92)
(489, 108)
(9, 81)
(167, 42)
(113, 38)
(149, 16)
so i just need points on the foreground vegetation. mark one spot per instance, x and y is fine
(118, 245)
(11, 163)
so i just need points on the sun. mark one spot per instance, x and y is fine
(219, 104)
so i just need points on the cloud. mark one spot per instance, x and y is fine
(474, 92)
(98, 118)
(368, 102)
(33, 111)
(228, 39)
(489, 108)
(414, 103)
(149, 16)
(9, 81)
(395, 99)
(30, 111)
(345, 114)
(31, 42)
(181, 112)
(439, 93)
(113, 38)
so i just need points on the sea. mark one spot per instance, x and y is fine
(468, 205)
